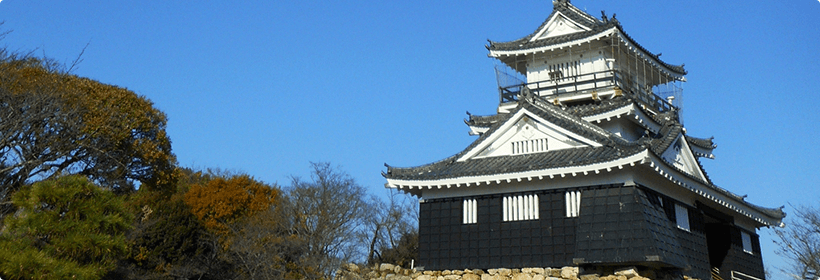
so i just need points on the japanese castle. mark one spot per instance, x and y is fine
(587, 164)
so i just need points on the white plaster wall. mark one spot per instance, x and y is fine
(526, 130)
(622, 127)
(590, 61)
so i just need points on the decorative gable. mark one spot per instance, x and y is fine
(558, 25)
(679, 155)
(526, 133)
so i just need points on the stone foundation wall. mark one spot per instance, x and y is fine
(392, 272)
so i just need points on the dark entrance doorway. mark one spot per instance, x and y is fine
(718, 230)
(718, 240)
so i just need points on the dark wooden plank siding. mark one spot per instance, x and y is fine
(446, 243)
(617, 224)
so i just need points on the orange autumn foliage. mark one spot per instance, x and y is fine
(108, 133)
(221, 202)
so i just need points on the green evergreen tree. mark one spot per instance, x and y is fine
(167, 240)
(64, 228)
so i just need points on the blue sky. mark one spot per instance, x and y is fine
(265, 87)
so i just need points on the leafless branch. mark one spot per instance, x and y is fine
(79, 59)
(800, 242)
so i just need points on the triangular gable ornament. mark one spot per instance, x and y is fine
(680, 155)
(559, 25)
(526, 133)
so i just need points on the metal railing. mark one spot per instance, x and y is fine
(590, 82)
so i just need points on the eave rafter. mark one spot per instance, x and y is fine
(550, 173)
(549, 48)
(645, 159)
(612, 33)
(710, 192)
(631, 112)
(652, 59)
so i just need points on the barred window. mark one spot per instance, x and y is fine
(520, 208)
(573, 201)
(470, 211)
(529, 146)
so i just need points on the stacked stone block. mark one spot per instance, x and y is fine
(392, 272)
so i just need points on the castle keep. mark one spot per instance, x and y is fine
(586, 163)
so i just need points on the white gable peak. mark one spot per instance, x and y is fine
(680, 155)
(559, 25)
(526, 133)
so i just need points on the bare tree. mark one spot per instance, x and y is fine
(26, 119)
(327, 212)
(263, 247)
(387, 224)
(800, 242)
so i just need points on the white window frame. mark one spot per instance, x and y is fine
(529, 146)
(520, 208)
(682, 217)
(573, 203)
(746, 240)
(470, 211)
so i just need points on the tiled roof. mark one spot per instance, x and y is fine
(570, 122)
(484, 121)
(670, 131)
(512, 164)
(584, 110)
(665, 138)
(668, 117)
(595, 25)
(612, 149)
(657, 143)
(599, 107)
(567, 10)
(776, 213)
(701, 142)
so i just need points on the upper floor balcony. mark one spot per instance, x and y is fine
(594, 85)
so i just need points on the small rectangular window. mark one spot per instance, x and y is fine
(573, 201)
(520, 208)
(682, 217)
(529, 146)
(747, 242)
(470, 212)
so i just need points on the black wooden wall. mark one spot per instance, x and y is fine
(617, 224)
(446, 243)
(738, 260)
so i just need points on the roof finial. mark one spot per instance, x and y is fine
(614, 20)
(560, 2)
(603, 16)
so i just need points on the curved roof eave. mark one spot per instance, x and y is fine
(521, 49)
(764, 216)
(529, 175)
(637, 114)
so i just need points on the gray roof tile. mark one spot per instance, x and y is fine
(512, 164)
(599, 107)
(597, 26)
(612, 148)
(708, 144)
(484, 121)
